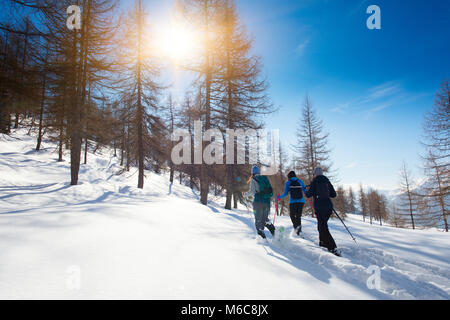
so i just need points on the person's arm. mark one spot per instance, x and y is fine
(286, 190)
(303, 186)
(332, 191)
(311, 191)
(253, 189)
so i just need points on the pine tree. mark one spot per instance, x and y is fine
(20, 73)
(312, 143)
(172, 128)
(341, 201)
(408, 199)
(351, 200)
(190, 113)
(395, 218)
(377, 205)
(363, 205)
(437, 158)
(382, 212)
(241, 88)
(205, 15)
(42, 99)
(311, 149)
(140, 89)
(82, 59)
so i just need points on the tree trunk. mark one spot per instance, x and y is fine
(229, 197)
(61, 143)
(41, 113)
(61, 127)
(204, 176)
(140, 111)
(75, 137)
(171, 174)
(441, 198)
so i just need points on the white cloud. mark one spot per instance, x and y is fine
(341, 108)
(302, 46)
(376, 99)
(382, 91)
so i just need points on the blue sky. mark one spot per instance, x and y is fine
(371, 88)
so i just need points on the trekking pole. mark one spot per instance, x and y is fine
(312, 208)
(345, 226)
(276, 210)
(309, 201)
(244, 201)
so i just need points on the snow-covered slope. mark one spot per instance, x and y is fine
(106, 239)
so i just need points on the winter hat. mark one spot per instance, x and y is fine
(255, 170)
(291, 175)
(318, 171)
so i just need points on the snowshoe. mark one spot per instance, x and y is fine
(298, 230)
(336, 252)
(262, 234)
(280, 234)
(271, 228)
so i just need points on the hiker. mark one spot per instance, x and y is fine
(322, 190)
(261, 190)
(294, 187)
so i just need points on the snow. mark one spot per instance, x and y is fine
(106, 239)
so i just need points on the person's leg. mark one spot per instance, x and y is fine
(266, 211)
(268, 223)
(259, 218)
(299, 215)
(325, 238)
(292, 214)
(321, 229)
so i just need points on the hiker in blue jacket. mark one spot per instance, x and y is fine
(294, 187)
(261, 190)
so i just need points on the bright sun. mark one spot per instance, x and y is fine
(176, 42)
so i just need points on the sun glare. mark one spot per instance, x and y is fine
(177, 42)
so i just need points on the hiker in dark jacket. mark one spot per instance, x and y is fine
(261, 202)
(294, 188)
(322, 190)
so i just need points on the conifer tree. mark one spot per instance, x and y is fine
(408, 199)
(241, 88)
(437, 157)
(351, 200)
(311, 149)
(363, 205)
(140, 88)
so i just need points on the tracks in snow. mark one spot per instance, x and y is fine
(400, 278)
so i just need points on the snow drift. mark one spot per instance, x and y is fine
(105, 239)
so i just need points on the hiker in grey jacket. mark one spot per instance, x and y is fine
(261, 203)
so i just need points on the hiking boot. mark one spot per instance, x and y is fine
(298, 230)
(336, 252)
(271, 228)
(262, 234)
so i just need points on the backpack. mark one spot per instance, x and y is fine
(322, 191)
(295, 190)
(265, 189)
